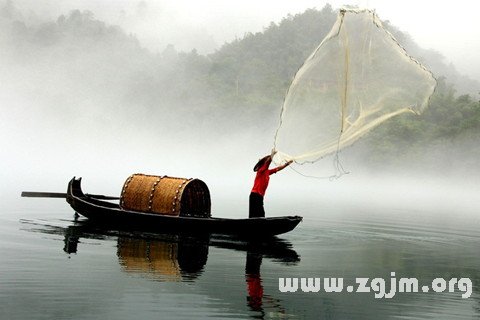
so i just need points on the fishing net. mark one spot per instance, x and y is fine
(358, 77)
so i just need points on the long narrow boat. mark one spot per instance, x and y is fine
(109, 213)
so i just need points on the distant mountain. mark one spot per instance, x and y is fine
(268, 60)
(103, 69)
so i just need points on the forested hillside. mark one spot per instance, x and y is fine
(240, 87)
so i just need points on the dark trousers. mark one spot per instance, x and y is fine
(256, 209)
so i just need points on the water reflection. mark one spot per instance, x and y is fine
(254, 281)
(165, 257)
(178, 257)
(233, 278)
(163, 260)
(71, 240)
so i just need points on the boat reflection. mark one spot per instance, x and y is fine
(165, 257)
(179, 257)
(167, 261)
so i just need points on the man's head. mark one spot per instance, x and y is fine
(265, 160)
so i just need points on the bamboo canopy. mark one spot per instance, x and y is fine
(166, 196)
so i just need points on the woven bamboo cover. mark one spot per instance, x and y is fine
(166, 195)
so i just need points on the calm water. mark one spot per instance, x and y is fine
(57, 266)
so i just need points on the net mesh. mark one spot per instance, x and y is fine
(358, 77)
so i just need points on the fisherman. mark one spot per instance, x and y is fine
(260, 185)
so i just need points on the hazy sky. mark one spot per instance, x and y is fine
(450, 27)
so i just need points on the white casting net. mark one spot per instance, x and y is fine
(358, 77)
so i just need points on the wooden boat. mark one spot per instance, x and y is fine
(105, 212)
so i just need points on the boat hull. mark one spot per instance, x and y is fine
(105, 212)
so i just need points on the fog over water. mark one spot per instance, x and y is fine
(82, 106)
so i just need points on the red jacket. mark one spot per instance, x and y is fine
(262, 178)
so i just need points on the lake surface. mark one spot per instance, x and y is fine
(55, 265)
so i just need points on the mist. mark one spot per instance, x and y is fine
(449, 28)
(98, 94)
